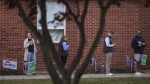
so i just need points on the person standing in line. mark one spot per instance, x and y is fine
(63, 50)
(30, 49)
(138, 45)
(108, 49)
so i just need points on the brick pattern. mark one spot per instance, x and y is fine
(124, 20)
(12, 34)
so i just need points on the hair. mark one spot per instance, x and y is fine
(111, 32)
(30, 33)
(63, 36)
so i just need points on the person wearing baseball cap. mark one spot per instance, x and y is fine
(138, 44)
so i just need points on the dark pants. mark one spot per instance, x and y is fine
(63, 59)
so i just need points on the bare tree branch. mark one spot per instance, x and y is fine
(40, 38)
(109, 3)
(49, 44)
(77, 4)
(92, 49)
(82, 43)
(82, 35)
(84, 11)
(100, 2)
(70, 11)
(82, 39)
(26, 20)
(98, 36)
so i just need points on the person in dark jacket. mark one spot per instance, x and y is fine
(108, 49)
(63, 49)
(138, 44)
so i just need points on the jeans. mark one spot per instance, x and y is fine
(30, 57)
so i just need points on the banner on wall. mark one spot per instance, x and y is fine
(10, 63)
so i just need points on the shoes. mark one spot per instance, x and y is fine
(138, 73)
(110, 74)
(29, 75)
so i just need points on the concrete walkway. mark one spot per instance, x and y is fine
(10, 77)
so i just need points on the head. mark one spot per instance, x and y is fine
(29, 35)
(138, 34)
(64, 37)
(110, 33)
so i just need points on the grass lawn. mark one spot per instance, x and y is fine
(132, 80)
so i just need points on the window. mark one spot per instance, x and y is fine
(55, 28)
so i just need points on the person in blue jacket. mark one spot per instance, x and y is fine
(138, 45)
(63, 49)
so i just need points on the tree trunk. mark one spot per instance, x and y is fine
(67, 81)
(98, 36)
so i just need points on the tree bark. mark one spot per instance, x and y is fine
(95, 44)
(48, 46)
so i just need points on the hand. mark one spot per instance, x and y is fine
(140, 45)
(31, 42)
(36, 50)
(113, 45)
(143, 43)
(68, 45)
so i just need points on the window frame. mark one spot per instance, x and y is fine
(53, 28)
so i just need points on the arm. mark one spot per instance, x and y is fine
(143, 43)
(65, 47)
(133, 44)
(108, 43)
(34, 45)
(26, 44)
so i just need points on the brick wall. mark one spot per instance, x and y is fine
(124, 20)
(12, 35)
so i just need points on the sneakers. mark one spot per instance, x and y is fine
(138, 73)
(110, 74)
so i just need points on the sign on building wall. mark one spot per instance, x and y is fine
(29, 67)
(10, 63)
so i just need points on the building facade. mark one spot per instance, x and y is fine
(124, 20)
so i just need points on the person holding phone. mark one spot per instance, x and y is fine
(138, 44)
(63, 49)
(30, 48)
(108, 49)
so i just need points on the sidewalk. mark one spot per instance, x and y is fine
(83, 76)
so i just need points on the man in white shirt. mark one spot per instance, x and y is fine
(108, 49)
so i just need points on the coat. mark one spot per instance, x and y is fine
(107, 49)
(26, 45)
(134, 44)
